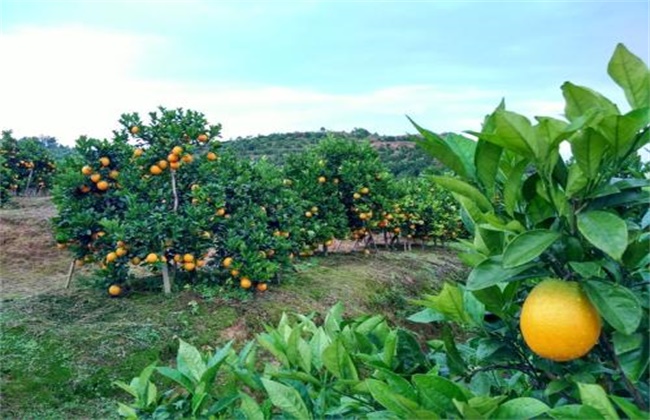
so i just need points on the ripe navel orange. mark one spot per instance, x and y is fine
(558, 322)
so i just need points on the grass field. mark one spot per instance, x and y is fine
(61, 349)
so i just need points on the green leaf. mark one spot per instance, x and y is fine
(491, 272)
(448, 302)
(455, 152)
(464, 189)
(177, 377)
(595, 396)
(486, 160)
(454, 359)
(632, 75)
(528, 246)
(394, 402)
(621, 131)
(390, 348)
(126, 411)
(512, 188)
(521, 408)
(616, 303)
(438, 394)
(286, 399)
(337, 361)
(606, 231)
(581, 100)
(189, 361)
(513, 132)
(250, 408)
(588, 149)
(319, 342)
(577, 181)
(631, 411)
(575, 411)
(333, 319)
(633, 352)
(426, 316)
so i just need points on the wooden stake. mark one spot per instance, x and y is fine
(167, 284)
(70, 273)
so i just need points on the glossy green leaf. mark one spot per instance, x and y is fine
(249, 408)
(455, 152)
(588, 150)
(631, 411)
(528, 246)
(394, 402)
(576, 182)
(512, 188)
(606, 231)
(438, 394)
(454, 359)
(486, 160)
(575, 411)
(514, 132)
(616, 303)
(190, 362)
(464, 189)
(338, 362)
(521, 408)
(448, 302)
(286, 399)
(633, 352)
(632, 75)
(491, 272)
(595, 396)
(581, 100)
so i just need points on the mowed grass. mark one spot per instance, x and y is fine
(61, 349)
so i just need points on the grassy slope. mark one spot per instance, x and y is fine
(61, 349)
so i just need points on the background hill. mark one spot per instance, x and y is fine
(398, 153)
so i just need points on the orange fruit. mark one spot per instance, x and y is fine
(95, 177)
(135, 130)
(84, 188)
(314, 209)
(201, 263)
(163, 164)
(114, 290)
(135, 260)
(211, 156)
(172, 158)
(114, 174)
(104, 161)
(151, 258)
(322, 180)
(234, 273)
(177, 150)
(155, 170)
(261, 287)
(137, 152)
(174, 165)
(187, 158)
(110, 257)
(308, 214)
(227, 262)
(202, 138)
(120, 251)
(245, 283)
(102, 185)
(365, 190)
(356, 196)
(558, 322)
(221, 211)
(188, 258)
(86, 170)
(189, 266)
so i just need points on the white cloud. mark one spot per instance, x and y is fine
(69, 81)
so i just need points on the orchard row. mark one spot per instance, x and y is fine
(160, 195)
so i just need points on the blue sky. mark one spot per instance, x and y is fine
(270, 66)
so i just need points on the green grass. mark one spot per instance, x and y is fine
(61, 350)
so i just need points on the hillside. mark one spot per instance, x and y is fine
(398, 153)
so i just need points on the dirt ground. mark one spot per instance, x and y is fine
(30, 263)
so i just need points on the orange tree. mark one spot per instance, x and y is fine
(345, 186)
(27, 163)
(536, 217)
(88, 195)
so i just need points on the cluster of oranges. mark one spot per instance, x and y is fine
(244, 282)
(96, 177)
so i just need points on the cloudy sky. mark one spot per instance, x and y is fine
(72, 67)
